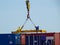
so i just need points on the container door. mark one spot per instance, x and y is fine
(35, 40)
(27, 40)
(31, 40)
(39, 41)
(42, 40)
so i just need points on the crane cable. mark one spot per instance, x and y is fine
(28, 16)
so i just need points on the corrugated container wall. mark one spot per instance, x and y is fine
(57, 38)
(9, 39)
(37, 39)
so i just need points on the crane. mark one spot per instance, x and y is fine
(28, 15)
(19, 30)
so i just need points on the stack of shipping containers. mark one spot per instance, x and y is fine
(30, 39)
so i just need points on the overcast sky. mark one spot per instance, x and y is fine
(44, 13)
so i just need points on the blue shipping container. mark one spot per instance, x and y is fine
(17, 39)
(8, 39)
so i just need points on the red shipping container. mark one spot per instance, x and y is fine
(23, 36)
(57, 39)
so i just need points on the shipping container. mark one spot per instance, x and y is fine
(9, 39)
(40, 39)
(57, 38)
(30, 39)
(17, 39)
(37, 39)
